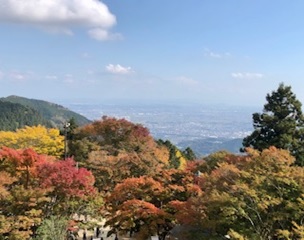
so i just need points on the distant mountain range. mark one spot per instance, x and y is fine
(205, 146)
(17, 112)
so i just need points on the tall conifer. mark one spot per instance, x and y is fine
(281, 124)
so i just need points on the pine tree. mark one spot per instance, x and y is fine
(281, 124)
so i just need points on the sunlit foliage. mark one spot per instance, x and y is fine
(34, 186)
(258, 196)
(281, 124)
(41, 139)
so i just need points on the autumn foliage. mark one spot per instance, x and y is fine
(144, 187)
(65, 179)
(112, 135)
(32, 186)
(257, 196)
(148, 200)
(39, 138)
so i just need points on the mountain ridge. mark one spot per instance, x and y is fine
(56, 114)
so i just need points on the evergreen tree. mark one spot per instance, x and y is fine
(14, 116)
(51, 228)
(189, 154)
(281, 124)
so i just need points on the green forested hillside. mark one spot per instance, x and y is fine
(14, 116)
(54, 113)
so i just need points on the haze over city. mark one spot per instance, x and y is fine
(232, 52)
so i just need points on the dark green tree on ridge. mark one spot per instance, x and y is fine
(281, 124)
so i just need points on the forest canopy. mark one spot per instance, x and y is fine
(116, 172)
(14, 116)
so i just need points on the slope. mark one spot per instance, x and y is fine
(54, 113)
(14, 116)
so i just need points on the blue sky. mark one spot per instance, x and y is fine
(206, 51)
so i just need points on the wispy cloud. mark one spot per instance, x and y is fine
(247, 75)
(102, 35)
(61, 16)
(68, 78)
(212, 54)
(186, 81)
(118, 69)
(19, 76)
(51, 77)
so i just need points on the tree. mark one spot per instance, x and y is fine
(111, 135)
(22, 200)
(14, 116)
(116, 135)
(116, 149)
(143, 205)
(177, 158)
(69, 184)
(110, 170)
(134, 207)
(34, 186)
(54, 227)
(41, 139)
(281, 124)
(189, 154)
(257, 196)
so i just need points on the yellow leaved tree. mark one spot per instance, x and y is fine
(41, 139)
(182, 161)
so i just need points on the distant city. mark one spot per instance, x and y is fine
(205, 129)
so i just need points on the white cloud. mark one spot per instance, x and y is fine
(209, 53)
(60, 15)
(118, 69)
(102, 35)
(247, 75)
(19, 76)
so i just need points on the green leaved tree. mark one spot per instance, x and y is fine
(281, 124)
(51, 228)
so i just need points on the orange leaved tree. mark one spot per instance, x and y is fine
(34, 186)
(256, 196)
(142, 205)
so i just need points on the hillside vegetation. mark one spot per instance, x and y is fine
(14, 116)
(56, 114)
(116, 171)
